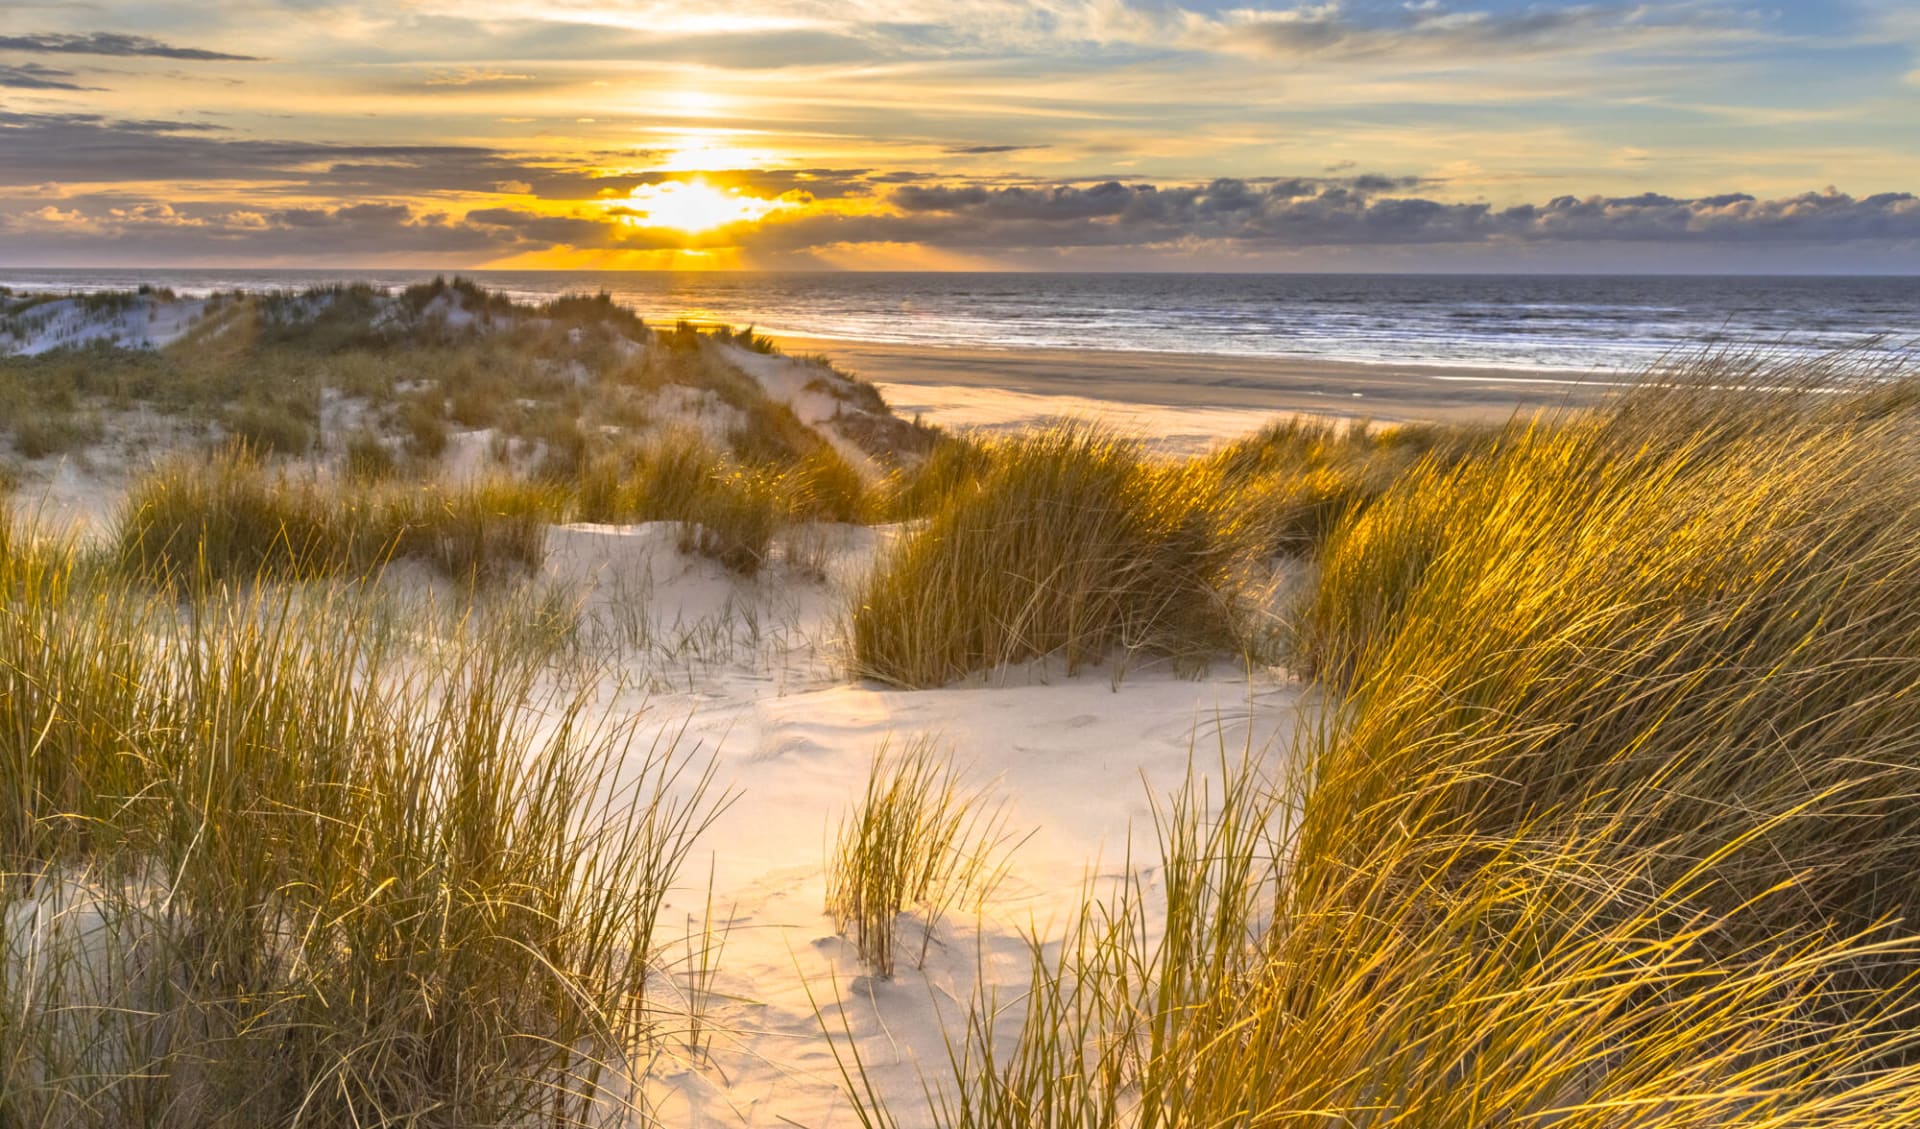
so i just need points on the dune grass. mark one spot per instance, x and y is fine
(229, 516)
(1294, 481)
(253, 874)
(1610, 823)
(823, 486)
(1696, 615)
(952, 464)
(727, 509)
(1071, 543)
(915, 839)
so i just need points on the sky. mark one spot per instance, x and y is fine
(1417, 135)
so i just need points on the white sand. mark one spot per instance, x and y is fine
(1076, 758)
(147, 322)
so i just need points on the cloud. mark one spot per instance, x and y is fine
(159, 232)
(33, 76)
(92, 149)
(471, 76)
(1334, 31)
(1242, 216)
(981, 150)
(112, 43)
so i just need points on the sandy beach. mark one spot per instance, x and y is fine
(1184, 396)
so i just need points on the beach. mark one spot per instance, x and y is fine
(1187, 398)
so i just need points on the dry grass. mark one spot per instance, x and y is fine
(916, 839)
(1612, 823)
(228, 516)
(255, 875)
(1070, 543)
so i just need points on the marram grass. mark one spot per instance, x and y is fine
(229, 516)
(917, 839)
(1069, 542)
(255, 873)
(1609, 823)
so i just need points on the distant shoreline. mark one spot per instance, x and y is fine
(1204, 382)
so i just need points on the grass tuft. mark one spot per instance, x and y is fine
(916, 838)
(228, 516)
(253, 875)
(1071, 544)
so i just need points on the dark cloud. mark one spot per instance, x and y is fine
(1297, 213)
(159, 232)
(815, 183)
(1335, 32)
(33, 76)
(983, 150)
(112, 43)
(89, 149)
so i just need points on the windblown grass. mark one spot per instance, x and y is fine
(1294, 481)
(1070, 543)
(916, 839)
(823, 486)
(1611, 824)
(727, 510)
(253, 876)
(1695, 615)
(733, 517)
(229, 517)
(953, 463)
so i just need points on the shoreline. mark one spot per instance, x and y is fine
(1187, 383)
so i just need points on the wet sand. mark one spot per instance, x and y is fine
(1189, 383)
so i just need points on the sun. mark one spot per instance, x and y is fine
(692, 206)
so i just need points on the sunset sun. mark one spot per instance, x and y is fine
(692, 206)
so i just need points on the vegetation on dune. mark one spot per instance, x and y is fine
(381, 386)
(1693, 616)
(1296, 480)
(1069, 542)
(954, 463)
(1610, 824)
(916, 839)
(1608, 819)
(255, 876)
(229, 516)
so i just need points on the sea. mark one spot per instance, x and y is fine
(1590, 323)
